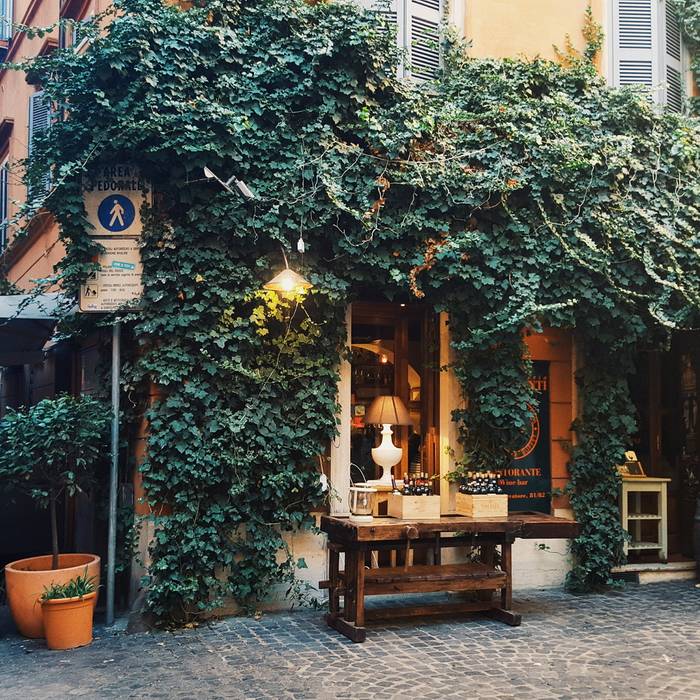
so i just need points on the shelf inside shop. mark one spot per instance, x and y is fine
(644, 545)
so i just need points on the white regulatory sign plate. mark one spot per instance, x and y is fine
(117, 284)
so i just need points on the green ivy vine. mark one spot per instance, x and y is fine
(512, 194)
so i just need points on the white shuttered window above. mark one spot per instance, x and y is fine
(39, 120)
(672, 58)
(4, 203)
(417, 26)
(647, 49)
(6, 20)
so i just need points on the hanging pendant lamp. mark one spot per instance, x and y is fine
(288, 281)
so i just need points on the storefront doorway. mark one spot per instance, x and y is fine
(395, 353)
(665, 392)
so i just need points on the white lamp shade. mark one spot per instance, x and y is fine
(387, 410)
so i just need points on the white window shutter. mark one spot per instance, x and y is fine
(635, 35)
(423, 33)
(6, 14)
(39, 120)
(672, 48)
(39, 117)
(4, 204)
(393, 15)
(388, 9)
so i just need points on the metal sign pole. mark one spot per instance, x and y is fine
(114, 472)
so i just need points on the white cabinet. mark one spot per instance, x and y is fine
(643, 512)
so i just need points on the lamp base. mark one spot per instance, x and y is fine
(361, 518)
(386, 456)
(383, 480)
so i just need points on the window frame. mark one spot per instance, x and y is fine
(657, 54)
(404, 12)
(4, 200)
(77, 13)
(7, 16)
(43, 191)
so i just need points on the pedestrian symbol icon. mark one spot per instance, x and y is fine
(116, 213)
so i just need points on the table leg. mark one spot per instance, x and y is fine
(488, 557)
(506, 566)
(354, 608)
(333, 566)
(359, 591)
(504, 613)
(351, 561)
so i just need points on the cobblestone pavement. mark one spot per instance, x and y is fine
(641, 643)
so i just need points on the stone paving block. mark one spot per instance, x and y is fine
(638, 644)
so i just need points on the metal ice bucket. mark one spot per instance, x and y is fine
(362, 500)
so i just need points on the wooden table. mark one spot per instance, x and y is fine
(355, 540)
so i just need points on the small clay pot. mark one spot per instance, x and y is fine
(68, 621)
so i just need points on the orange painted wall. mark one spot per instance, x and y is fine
(41, 251)
(37, 256)
(526, 28)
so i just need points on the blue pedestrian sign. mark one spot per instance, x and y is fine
(116, 213)
(113, 194)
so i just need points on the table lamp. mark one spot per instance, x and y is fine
(386, 411)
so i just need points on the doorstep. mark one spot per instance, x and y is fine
(655, 572)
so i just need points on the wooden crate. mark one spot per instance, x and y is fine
(482, 506)
(413, 507)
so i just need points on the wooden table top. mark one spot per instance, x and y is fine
(526, 525)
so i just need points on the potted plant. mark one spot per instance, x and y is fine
(49, 450)
(67, 610)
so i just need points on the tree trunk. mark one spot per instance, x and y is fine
(54, 530)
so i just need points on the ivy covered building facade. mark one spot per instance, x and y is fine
(497, 238)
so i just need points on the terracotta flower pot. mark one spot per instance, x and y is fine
(25, 580)
(68, 621)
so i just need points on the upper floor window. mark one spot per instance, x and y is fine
(39, 121)
(5, 20)
(72, 35)
(4, 203)
(647, 49)
(72, 32)
(417, 25)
